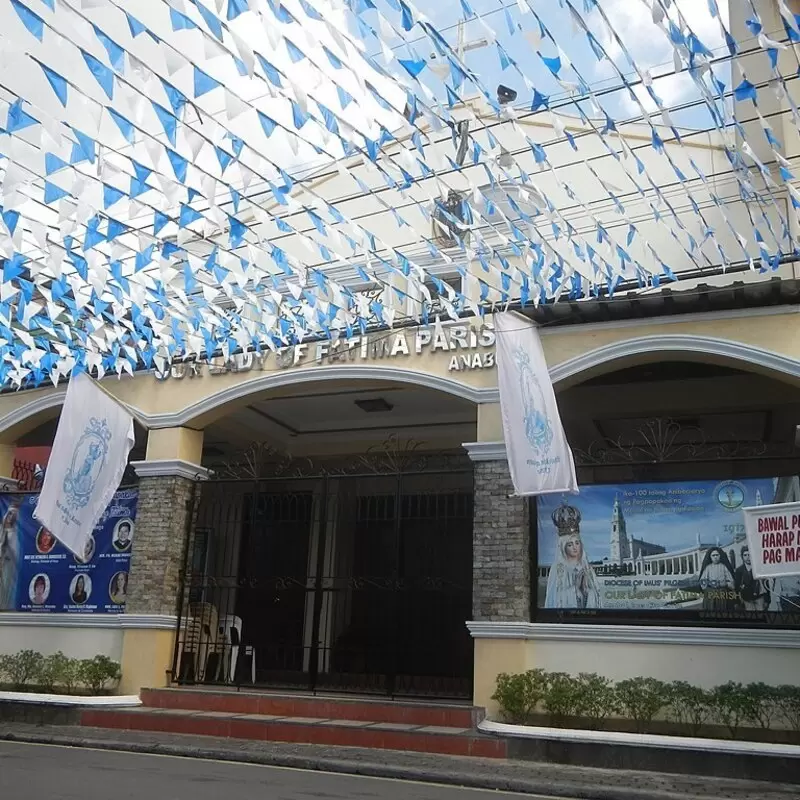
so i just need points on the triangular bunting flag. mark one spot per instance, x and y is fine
(57, 82)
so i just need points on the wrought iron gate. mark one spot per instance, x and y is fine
(333, 581)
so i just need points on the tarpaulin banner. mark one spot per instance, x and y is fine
(39, 574)
(674, 549)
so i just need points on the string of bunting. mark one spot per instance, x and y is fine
(186, 178)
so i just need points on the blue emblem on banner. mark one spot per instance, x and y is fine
(88, 460)
(538, 429)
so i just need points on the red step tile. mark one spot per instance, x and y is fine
(366, 710)
(461, 742)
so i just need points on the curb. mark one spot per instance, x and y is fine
(496, 782)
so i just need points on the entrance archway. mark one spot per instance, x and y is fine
(668, 452)
(337, 544)
(676, 418)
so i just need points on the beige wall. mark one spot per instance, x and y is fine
(702, 665)
(47, 634)
(146, 657)
(699, 664)
(777, 333)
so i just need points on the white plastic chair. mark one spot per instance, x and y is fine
(230, 629)
(207, 616)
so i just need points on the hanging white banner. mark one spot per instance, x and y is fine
(773, 537)
(539, 457)
(89, 456)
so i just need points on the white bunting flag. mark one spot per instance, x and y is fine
(89, 456)
(539, 457)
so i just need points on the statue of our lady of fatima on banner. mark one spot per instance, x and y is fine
(572, 582)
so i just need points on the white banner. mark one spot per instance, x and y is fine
(539, 457)
(773, 536)
(86, 465)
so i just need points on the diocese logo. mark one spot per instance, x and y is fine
(730, 495)
(88, 460)
(538, 430)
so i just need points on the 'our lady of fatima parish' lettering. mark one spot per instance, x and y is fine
(469, 347)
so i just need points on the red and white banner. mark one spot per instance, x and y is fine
(773, 535)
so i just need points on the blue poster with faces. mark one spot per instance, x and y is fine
(39, 575)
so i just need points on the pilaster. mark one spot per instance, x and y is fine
(501, 537)
(168, 501)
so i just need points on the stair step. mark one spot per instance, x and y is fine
(287, 705)
(442, 739)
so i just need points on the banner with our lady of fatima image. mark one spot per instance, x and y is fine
(661, 550)
(38, 574)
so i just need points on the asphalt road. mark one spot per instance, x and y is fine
(66, 773)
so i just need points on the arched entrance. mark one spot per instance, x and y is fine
(668, 451)
(335, 537)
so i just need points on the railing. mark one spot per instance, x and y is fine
(29, 476)
(356, 583)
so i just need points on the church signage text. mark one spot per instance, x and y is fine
(466, 346)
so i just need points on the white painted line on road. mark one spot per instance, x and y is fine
(493, 792)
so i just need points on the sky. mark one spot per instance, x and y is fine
(652, 514)
(646, 44)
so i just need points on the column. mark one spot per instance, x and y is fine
(168, 495)
(501, 563)
(501, 547)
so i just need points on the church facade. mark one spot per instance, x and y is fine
(331, 505)
(339, 516)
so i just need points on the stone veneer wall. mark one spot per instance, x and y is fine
(501, 568)
(159, 542)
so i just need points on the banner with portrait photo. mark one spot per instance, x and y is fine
(38, 574)
(660, 550)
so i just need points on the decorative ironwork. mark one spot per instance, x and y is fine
(29, 476)
(662, 440)
(394, 456)
(263, 460)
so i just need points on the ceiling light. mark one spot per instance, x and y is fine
(374, 405)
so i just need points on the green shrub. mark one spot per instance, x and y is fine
(96, 672)
(641, 699)
(519, 695)
(766, 705)
(595, 698)
(734, 705)
(21, 668)
(690, 705)
(71, 675)
(52, 671)
(562, 697)
(789, 704)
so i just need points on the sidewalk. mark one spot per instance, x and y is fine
(559, 781)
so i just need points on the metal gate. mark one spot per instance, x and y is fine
(332, 581)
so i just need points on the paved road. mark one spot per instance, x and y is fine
(64, 773)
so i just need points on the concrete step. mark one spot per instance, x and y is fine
(288, 705)
(446, 740)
